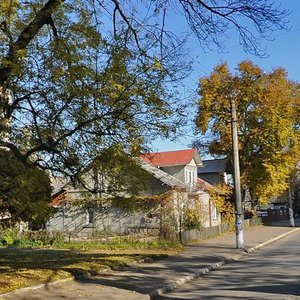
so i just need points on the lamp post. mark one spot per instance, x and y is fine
(237, 185)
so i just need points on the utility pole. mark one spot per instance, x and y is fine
(237, 186)
(291, 212)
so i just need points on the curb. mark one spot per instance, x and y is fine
(198, 272)
(36, 287)
(271, 241)
(175, 284)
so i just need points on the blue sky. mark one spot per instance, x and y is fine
(283, 51)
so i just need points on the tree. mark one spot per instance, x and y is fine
(268, 124)
(79, 87)
(24, 191)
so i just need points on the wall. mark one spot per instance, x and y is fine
(176, 171)
(107, 220)
(207, 209)
(182, 172)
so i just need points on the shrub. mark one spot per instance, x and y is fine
(44, 237)
(191, 219)
(8, 236)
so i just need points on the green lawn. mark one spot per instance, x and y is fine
(21, 267)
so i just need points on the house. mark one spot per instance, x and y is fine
(171, 175)
(214, 171)
(181, 164)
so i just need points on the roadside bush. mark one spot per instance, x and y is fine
(23, 243)
(191, 219)
(8, 236)
(11, 237)
(43, 237)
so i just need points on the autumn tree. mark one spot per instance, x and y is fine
(80, 77)
(268, 124)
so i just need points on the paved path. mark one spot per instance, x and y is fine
(269, 273)
(137, 282)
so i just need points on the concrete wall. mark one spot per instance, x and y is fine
(107, 220)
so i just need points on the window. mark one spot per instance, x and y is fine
(90, 216)
(215, 213)
(190, 177)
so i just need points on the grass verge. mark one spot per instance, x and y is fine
(22, 267)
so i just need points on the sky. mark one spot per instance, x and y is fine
(283, 51)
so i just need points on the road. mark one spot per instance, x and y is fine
(270, 273)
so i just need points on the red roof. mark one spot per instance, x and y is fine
(58, 199)
(172, 158)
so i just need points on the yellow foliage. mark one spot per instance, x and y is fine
(222, 200)
(8, 8)
(268, 120)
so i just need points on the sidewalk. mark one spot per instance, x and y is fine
(146, 280)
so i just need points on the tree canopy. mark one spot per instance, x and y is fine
(268, 123)
(79, 77)
(24, 191)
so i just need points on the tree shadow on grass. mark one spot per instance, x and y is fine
(45, 265)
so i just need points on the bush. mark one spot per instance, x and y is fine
(8, 236)
(44, 237)
(22, 243)
(11, 237)
(191, 219)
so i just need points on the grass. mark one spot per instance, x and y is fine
(22, 267)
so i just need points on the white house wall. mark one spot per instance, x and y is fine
(207, 209)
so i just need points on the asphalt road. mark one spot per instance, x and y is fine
(270, 273)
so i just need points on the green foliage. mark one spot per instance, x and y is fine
(82, 93)
(46, 239)
(28, 239)
(24, 191)
(268, 124)
(89, 75)
(8, 236)
(43, 237)
(191, 219)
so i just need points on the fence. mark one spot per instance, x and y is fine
(204, 233)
